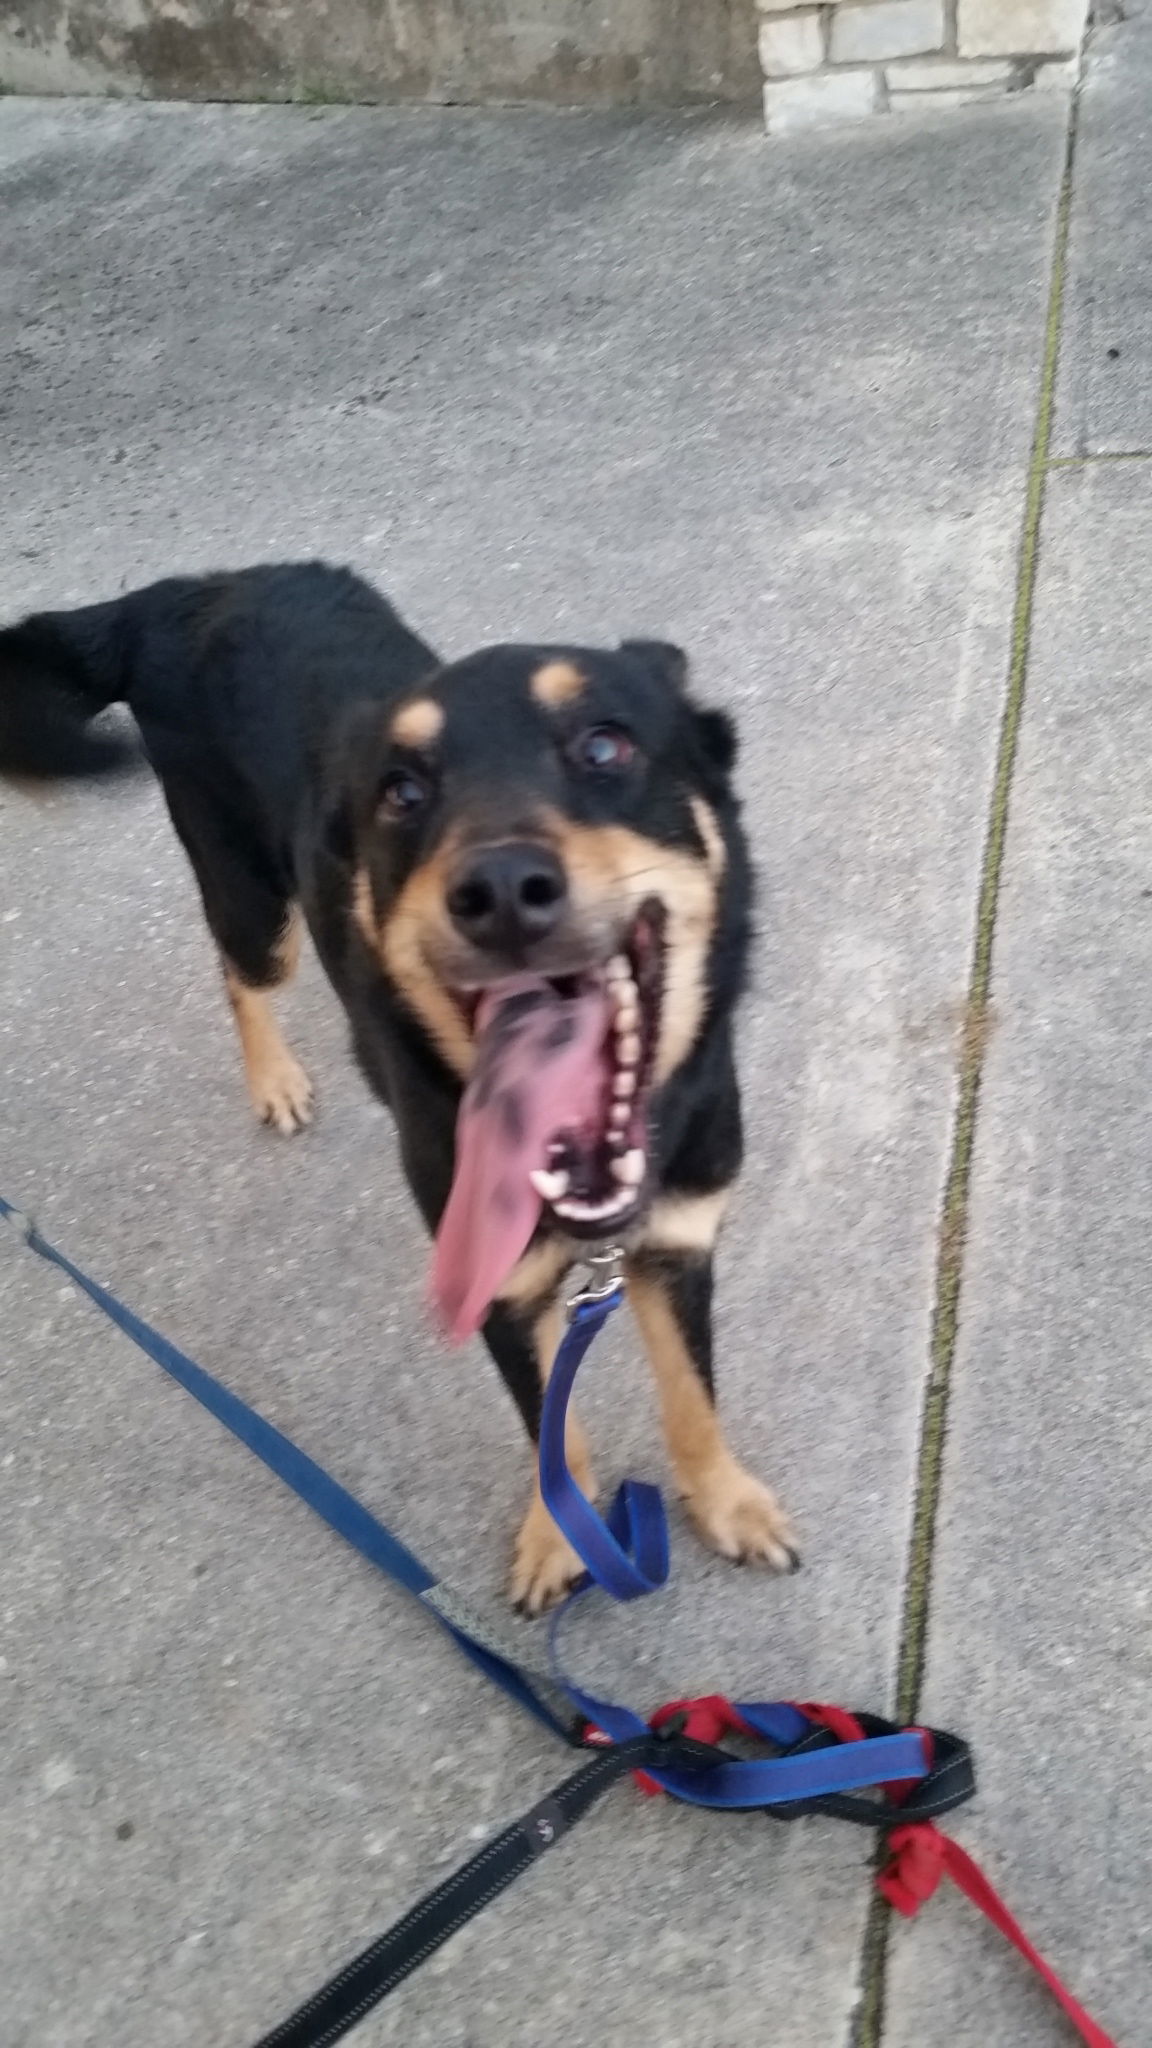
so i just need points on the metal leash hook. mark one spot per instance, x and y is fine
(605, 1278)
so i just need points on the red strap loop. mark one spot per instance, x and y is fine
(921, 1857)
(916, 1867)
(705, 1720)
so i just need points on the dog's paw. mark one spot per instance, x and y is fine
(282, 1094)
(545, 1566)
(740, 1518)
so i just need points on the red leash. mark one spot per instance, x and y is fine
(920, 1856)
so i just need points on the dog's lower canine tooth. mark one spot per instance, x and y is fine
(629, 1171)
(618, 968)
(549, 1186)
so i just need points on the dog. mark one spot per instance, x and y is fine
(525, 876)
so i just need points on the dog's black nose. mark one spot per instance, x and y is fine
(506, 897)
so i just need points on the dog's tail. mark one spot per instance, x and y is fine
(58, 671)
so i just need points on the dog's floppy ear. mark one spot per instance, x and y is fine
(715, 732)
(667, 662)
(717, 736)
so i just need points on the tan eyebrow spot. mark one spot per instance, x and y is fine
(556, 684)
(418, 723)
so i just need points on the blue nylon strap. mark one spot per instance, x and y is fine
(776, 1720)
(767, 1781)
(332, 1502)
(628, 1554)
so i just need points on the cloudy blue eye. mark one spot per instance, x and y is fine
(402, 792)
(603, 748)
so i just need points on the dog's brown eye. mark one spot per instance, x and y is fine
(603, 747)
(401, 793)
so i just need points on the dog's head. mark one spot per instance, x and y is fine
(546, 842)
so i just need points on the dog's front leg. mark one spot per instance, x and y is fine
(671, 1296)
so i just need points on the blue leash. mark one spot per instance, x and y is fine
(324, 1495)
(627, 1555)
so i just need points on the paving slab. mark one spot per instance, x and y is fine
(548, 376)
(1105, 386)
(1043, 1573)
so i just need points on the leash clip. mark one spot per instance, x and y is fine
(605, 1277)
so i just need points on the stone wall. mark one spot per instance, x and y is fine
(841, 61)
(613, 53)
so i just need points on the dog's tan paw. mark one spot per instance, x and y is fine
(545, 1566)
(741, 1519)
(282, 1094)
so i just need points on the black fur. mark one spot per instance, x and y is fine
(263, 699)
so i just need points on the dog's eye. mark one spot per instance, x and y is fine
(603, 747)
(402, 792)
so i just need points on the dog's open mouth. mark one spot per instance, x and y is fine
(554, 1117)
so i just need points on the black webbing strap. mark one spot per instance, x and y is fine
(385, 1963)
(950, 1782)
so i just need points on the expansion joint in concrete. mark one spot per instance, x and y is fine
(868, 2023)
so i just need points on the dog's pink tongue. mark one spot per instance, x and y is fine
(538, 1073)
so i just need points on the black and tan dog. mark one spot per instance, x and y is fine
(525, 876)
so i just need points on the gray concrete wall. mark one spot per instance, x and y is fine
(592, 52)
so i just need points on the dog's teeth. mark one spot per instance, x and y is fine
(627, 1010)
(618, 1116)
(628, 1049)
(549, 1186)
(618, 969)
(595, 1212)
(617, 1142)
(629, 1170)
(624, 1086)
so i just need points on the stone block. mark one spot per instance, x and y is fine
(939, 74)
(791, 44)
(821, 100)
(1018, 28)
(887, 28)
(952, 96)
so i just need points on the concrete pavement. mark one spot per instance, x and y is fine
(565, 376)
